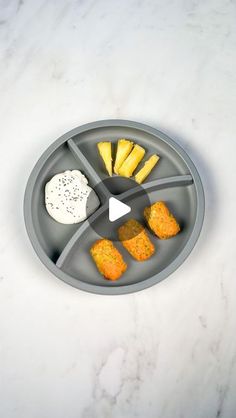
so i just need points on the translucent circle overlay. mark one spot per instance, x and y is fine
(126, 191)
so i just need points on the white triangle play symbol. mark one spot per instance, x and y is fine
(117, 209)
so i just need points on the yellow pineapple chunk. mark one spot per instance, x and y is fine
(104, 149)
(147, 168)
(132, 161)
(123, 149)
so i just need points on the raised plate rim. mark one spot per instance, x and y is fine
(122, 289)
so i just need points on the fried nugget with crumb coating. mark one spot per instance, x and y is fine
(108, 259)
(135, 239)
(161, 221)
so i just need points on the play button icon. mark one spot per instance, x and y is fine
(117, 209)
(118, 204)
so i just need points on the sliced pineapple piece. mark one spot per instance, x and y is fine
(147, 168)
(124, 147)
(104, 149)
(132, 161)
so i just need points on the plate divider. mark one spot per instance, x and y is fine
(158, 184)
(78, 234)
(96, 181)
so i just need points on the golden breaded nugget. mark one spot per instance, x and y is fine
(135, 239)
(108, 259)
(161, 221)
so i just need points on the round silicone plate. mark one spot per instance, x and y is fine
(64, 249)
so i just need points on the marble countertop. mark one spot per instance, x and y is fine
(168, 351)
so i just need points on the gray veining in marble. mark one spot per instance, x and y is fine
(166, 352)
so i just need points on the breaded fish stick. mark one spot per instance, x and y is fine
(136, 241)
(161, 221)
(108, 259)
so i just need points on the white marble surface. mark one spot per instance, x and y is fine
(169, 351)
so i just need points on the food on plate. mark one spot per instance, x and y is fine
(131, 162)
(136, 241)
(108, 259)
(104, 149)
(161, 221)
(128, 156)
(146, 169)
(67, 197)
(124, 147)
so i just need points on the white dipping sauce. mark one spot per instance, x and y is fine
(66, 196)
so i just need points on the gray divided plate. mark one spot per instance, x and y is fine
(64, 249)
